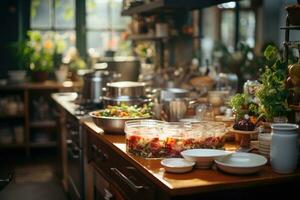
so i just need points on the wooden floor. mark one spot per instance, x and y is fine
(36, 178)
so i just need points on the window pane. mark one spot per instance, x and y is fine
(40, 14)
(118, 21)
(97, 14)
(65, 13)
(62, 40)
(98, 41)
(247, 27)
(102, 41)
(227, 28)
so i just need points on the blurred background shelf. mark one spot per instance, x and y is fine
(43, 124)
(43, 144)
(13, 145)
(169, 5)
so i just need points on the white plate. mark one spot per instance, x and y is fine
(241, 163)
(177, 165)
(204, 158)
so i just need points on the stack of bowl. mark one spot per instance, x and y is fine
(125, 92)
(264, 143)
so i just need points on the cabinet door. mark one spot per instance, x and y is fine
(122, 175)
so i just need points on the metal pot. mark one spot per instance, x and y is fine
(124, 100)
(128, 67)
(127, 92)
(93, 82)
(125, 88)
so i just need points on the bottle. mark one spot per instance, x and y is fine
(284, 147)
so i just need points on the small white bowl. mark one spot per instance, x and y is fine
(241, 163)
(177, 165)
(204, 158)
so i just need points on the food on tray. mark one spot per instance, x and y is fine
(125, 111)
(169, 140)
(244, 124)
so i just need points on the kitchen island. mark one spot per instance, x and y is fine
(131, 177)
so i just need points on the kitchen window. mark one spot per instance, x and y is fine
(104, 25)
(54, 19)
(246, 25)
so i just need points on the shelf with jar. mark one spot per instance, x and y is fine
(28, 115)
(131, 7)
(293, 71)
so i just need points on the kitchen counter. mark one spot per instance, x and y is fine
(66, 101)
(167, 185)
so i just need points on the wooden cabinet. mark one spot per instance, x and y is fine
(122, 176)
(33, 124)
(131, 177)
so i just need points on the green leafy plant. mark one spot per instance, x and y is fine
(21, 54)
(272, 94)
(244, 104)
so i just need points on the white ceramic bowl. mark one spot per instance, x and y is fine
(204, 158)
(177, 165)
(241, 163)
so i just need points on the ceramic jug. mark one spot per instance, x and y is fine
(284, 147)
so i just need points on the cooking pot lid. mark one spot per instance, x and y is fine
(126, 84)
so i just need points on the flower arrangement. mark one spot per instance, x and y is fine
(270, 98)
(45, 52)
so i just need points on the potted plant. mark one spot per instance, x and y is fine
(21, 53)
(273, 94)
(41, 59)
(74, 62)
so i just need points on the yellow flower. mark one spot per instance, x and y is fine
(48, 44)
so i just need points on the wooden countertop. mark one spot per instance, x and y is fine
(196, 181)
(43, 85)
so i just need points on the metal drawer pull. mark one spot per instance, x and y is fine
(133, 186)
(108, 195)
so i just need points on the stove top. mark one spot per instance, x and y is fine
(85, 108)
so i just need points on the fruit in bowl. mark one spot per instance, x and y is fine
(244, 125)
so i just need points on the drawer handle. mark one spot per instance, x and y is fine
(133, 186)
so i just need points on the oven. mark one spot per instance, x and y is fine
(75, 158)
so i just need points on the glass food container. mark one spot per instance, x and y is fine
(158, 139)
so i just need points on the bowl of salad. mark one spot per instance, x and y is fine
(112, 119)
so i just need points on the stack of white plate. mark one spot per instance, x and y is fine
(264, 143)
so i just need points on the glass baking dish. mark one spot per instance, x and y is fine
(158, 139)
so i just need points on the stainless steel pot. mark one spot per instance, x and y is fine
(93, 82)
(127, 92)
(125, 100)
(128, 67)
(125, 88)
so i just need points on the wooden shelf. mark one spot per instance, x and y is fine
(12, 145)
(43, 144)
(295, 108)
(12, 116)
(169, 5)
(43, 124)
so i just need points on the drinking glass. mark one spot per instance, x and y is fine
(205, 112)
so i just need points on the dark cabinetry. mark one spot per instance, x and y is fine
(123, 180)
